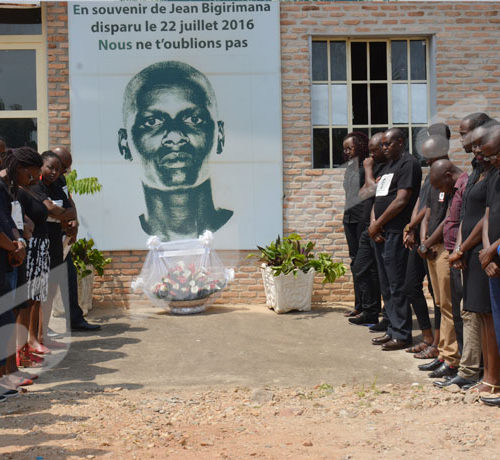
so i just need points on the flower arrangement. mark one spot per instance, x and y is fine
(186, 282)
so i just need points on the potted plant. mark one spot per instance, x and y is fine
(87, 259)
(288, 269)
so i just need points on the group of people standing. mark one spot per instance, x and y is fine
(400, 231)
(38, 219)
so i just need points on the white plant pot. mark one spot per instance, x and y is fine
(285, 293)
(86, 291)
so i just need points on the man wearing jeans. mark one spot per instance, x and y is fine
(396, 194)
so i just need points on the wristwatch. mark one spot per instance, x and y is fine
(423, 248)
(22, 240)
(458, 250)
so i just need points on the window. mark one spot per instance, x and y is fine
(23, 87)
(369, 86)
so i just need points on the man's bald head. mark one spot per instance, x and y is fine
(167, 74)
(393, 143)
(443, 175)
(435, 147)
(491, 146)
(375, 147)
(65, 156)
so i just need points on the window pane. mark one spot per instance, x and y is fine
(338, 61)
(17, 80)
(378, 61)
(358, 61)
(14, 21)
(359, 104)
(417, 58)
(321, 149)
(19, 132)
(319, 94)
(418, 134)
(377, 130)
(319, 61)
(339, 104)
(338, 135)
(378, 103)
(399, 60)
(419, 103)
(400, 103)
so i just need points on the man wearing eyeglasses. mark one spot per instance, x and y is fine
(396, 194)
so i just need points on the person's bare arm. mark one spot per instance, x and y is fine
(396, 207)
(58, 212)
(370, 185)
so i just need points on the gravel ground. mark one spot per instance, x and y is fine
(321, 422)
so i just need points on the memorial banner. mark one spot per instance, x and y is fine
(176, 108)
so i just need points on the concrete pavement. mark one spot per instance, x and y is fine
(245, 345)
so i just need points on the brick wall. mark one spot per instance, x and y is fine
(467, 58)
(58, 74)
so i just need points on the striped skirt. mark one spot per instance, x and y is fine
(37, 268)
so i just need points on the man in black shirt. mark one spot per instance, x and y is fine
(489, 256)
(396, 194)
(77, 321)
(364, 268)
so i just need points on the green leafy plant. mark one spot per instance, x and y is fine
(84, 254)
(288, 255)
(84, 186)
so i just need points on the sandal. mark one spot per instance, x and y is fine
(492, 388)
(430, 352)
(418, 348)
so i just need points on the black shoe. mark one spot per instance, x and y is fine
(491, 401)
(396, 344)
(380, 327)
(10, 393)
(363, 319)
(84, 326)
(443, 371)
(381, 340)
(457, 380)
(434, 364)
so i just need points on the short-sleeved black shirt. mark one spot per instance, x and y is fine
(354, 178)
(36, 211)
(53, 192)
(403, 173)
(424, 192)
(437, 202)
(493, 202)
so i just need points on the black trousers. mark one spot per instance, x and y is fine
(75, 312)
(365, 274)
(391, 262)
(353, 234)
(456, 300)
(415, 274)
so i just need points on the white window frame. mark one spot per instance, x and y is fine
(38, 43)
(389, 81)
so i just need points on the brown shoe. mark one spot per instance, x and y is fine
(396, 344)
(381, 340)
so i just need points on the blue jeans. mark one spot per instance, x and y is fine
(495, 306)
(392, 258)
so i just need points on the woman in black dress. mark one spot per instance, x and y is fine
(355, 151)
(21, 168)
(476, 295)
(59, 210)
